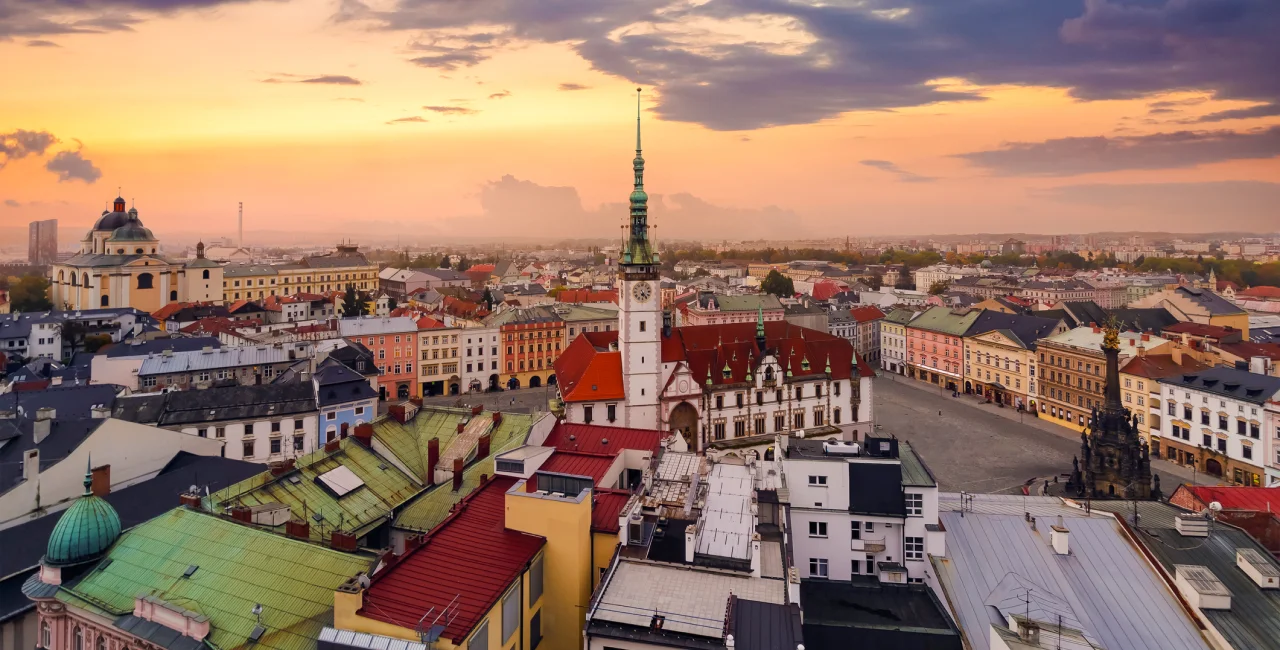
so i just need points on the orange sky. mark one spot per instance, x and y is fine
(177, 112)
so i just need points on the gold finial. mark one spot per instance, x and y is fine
(1111, 337)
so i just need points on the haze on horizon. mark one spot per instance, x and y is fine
(762, 119)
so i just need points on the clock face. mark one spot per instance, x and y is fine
(642, 292)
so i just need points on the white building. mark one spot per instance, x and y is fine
(480, 358)
(1232, 417)
(254, 423)
(860, 508)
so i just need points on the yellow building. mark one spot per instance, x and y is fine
(1140, 387)
(509, 566)
(1000, 356)
(1071, 371)
(314, 274)
(119, 265)
(1198, 305)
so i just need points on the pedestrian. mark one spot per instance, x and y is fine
(939, 412)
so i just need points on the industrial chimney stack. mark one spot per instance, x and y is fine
(240, 243)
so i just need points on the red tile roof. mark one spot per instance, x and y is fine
(1201, 329)
(824, 289)
(866, 314)
(1260, 292)
(587, 295)
(1239, 497)
(591, 439)
(172, 308)
(1247, 350)
(594, 465)
(488, 268)
(606, 505)
(471, 555)
(588, 370)
(1157, 366)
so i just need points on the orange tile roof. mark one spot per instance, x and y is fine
(866, 314)
(1260, 292)
(593, 465)
(588, 370)
(587, 295)
(606, 505)
(1158, 366)
(597, 439)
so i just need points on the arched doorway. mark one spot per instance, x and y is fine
(402, 391)
(1212, 466)
(493, 382)
(551, 381)
(513, 383)
(684, 420)
(382, 393)
(475, 386)
(535, 382)
(453, 388)
(968, 387)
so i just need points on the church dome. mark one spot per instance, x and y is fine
(131, 230)
(111, 220)
(84, 532)
(639, 196)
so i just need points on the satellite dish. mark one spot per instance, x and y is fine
(363, 581)
(1216, 507)
(194, 489)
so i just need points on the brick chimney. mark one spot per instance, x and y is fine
(482, 449)
(190, 500)
(461, 426)
(298, 528)
(343, 541)
(433, 459)
(364, 433)
(457, 474)
(243, 514)
(497, 418)
(100, 483)
(332, 445)
(477, 409)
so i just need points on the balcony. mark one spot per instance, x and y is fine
(868, 544)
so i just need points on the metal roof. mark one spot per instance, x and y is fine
(1228, 382)
(727, 522)
(231, 357)
(374, 325)
(238, 567)
(1107, 584)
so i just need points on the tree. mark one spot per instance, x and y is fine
(354, 304)
(876, 281)
(74, 334)
(778, 284)
(701, 273)
(488, 299)
(95, 342)
(940, 287)
(29, 293)
(444, 261)
(391, 303)
(905, 280)
(463, 263)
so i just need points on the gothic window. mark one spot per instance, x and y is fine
(145, 280)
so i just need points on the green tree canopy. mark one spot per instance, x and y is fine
(778, 284)
(29, 293)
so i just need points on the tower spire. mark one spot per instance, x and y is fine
(638, 248)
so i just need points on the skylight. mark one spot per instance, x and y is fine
(341, 481)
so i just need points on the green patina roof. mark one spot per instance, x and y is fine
(900, 316)
(755, 303)
(943, 321)
(428, 510)
(408, 442)
(359, 511)
(84, 531)
(238, 566)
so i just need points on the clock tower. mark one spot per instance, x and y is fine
(639, 308)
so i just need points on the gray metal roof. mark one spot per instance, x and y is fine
(1228, 382)
(914, 472)
(1254, 618)
(233, 357)
(1108, 585)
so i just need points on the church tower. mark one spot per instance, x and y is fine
(639, 308)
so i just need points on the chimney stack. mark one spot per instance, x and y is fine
(100, 480)
(43, 424)
(457, 474)
(1058, 536)
(482, 449)
(433, 459)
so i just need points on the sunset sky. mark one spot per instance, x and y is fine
(429, 119)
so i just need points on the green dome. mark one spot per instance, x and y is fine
(639, 196)
(84, 532)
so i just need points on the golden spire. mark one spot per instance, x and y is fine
(1111, 338)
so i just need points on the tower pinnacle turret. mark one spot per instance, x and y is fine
(638, 249)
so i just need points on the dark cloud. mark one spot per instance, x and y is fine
(451, 110)
(1262, 110)
(1181, 206)
(518, 207)
(902, 174)
(12, 204)
(500, 95)
(33, 18)
(21, 143)
(70, 165)
(406, 120)
(876, 54)
(333, 79)
(1071, 156)
(41, 43)
(1174, 103)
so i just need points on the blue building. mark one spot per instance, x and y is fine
(345, 399)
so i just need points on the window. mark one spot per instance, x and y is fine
(535, 630)
(719, 401)
(871, 564)
(739, 427)
(611, 412)
(297, 443)
(480, 640)
(1222, 445)
(780, 423)
(855, 527)
(77, 639)
(145, 280)
(799, 419)
(510, 614)
(914, 548)
(248, 449)
(1222, 422)
(203, 433)
(817, 529)
(1173, 409)
(586, 415)
(1246, 451)
(718, 428)
(837, 389)
(147, 382)
(275, 446)
(275, 427)
(220, 432)
(835, 414)
(817, 567)
(642, 326)
(535, 581)
(1254, 431)
(46, 637)
(818, 481)
(915, 504)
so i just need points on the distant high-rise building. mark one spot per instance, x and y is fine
(42, 245)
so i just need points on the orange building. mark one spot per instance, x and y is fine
(532, 340)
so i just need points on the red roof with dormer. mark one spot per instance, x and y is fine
(590, 368)
(866, 314)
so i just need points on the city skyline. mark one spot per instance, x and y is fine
(769, 122)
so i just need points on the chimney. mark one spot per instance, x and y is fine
(55, 381)
(298, 528)
(475, 410)
(457, 474)
(343, 541)
(1058, 536)
(1146, 337)
(364, 433)
(332, 445)
(461, 426)
(31, 465)
(482, 449)
(497, 418)
(190, 500)
(242, 514)
(690, 532)
(43, 425)
(433, 459)
(100, 481)
(1029, 632)
(100, 412)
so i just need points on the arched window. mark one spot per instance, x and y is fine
(61, 279)
(102, 643)
(173, 296)
(206, 274)
(85, 279)
(105, 301)
(74, 282)
(144, 281)
(46, 637)
(119, 251)
(77, 639)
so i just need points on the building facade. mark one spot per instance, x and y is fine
(246, 365)
(935, 346)
(1072, 370)
(42, 242)
(394, 345)
(532, 339)
(345, 400)
(893, 340)
(1225, 422)
(439, 353)
(480, 359)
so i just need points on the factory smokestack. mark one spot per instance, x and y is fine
(240, 243)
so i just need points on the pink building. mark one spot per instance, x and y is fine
(394, 344)
(935, 345)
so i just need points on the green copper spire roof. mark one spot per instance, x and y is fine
(760, 321)
(638, 250)
(85, 531)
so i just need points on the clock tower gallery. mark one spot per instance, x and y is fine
(639, 309)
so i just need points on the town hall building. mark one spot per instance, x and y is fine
(707, 382)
